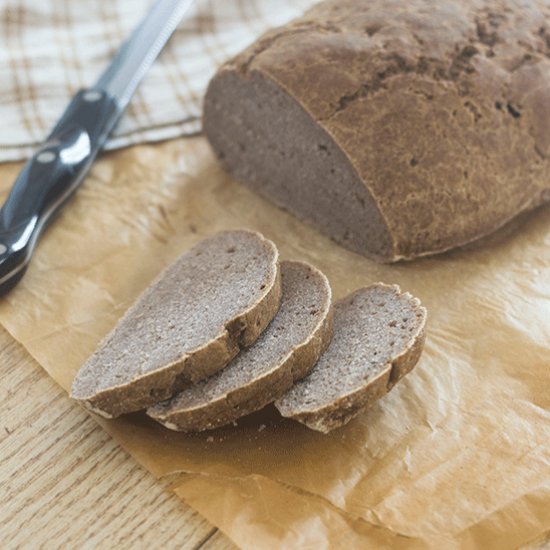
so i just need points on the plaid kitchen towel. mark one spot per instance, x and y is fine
(51, 48)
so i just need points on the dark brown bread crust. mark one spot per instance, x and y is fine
(262, 390)
(157, 385)
(438, 112)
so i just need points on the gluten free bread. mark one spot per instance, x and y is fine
(426, 122)
(284, 353)
(226, 330)
(378, 338)
(215, 299)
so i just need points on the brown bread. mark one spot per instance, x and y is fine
(399, 128)
(215, 299)
(284, 353)
(378, 338)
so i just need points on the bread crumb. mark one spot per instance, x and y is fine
(234, 423)
(261, 428)
(210, 439)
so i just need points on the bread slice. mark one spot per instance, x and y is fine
(216, 298)
(378, 338)
(284, 353)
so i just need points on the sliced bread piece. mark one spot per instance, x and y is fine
(378, 338)
(216, 298)
(284, 353)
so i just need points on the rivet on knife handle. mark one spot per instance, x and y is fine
(55, 171)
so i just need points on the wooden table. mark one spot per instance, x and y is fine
(64, 483)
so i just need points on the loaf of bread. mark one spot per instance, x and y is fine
(399, 128)
(285, 352)
(379, 334)
(215, 299)
(226, 330)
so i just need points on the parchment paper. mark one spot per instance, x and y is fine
(457, 455)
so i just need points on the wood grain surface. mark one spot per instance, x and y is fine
(64, 483)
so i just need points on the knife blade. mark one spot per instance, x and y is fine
(55, 171)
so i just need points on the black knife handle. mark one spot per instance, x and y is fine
(50, 177)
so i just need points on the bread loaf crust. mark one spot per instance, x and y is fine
(441, 110)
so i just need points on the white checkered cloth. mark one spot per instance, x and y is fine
(51, 48)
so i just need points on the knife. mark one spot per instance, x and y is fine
(58, 167)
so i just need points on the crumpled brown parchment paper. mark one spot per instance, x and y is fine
(456, 456)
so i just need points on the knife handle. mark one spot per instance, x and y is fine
(50, 177)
